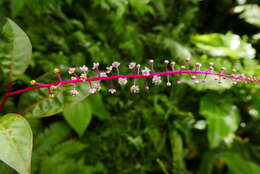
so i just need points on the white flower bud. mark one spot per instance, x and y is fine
(132, 65)
(151, 61)
(115, 64)
(103, 74)
(166, 61)
(71, 70)
(122, 81)
(156, 80)
(109, 69)
(134, 89)
(95, 65)
(146, 71)
(74, 92)
(91, 90)
(84, 68)
(112, 91)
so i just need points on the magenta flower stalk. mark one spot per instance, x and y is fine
(136, 69)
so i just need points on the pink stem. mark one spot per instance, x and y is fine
(247, 79)
(8, 87)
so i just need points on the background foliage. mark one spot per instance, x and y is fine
(205, 128)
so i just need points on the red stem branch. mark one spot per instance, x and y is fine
(8, 87)
(241, 78)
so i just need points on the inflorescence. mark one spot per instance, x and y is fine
(112, 73)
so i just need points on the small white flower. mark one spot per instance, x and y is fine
(183, 68)
(83, 76)
(198, 65)
(91, 90)
(51, 96)
(71, 70)
(74, 92)
(84, 68)
(109, 69)
(112, 90)
(211, 64)
(122, 81)
(168, 84)
(179, 81)
(73, 78)
(115, 64)
(157, 80)
(193, 77)
(132, 65)
(187, 60)
(151, 61)
(146, 71)
(146, 87)
(134, 89)
(97, 86)
(166, 61)
(103, 74)
(95, 65)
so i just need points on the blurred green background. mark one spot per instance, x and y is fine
(187, 128)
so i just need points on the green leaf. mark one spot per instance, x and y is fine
(238, 165)
(15, 50)
(222, 45)
(250, 13)
(16, 142)
(36, 103)
(78, 116)
(175, 48)
(97, 106)
(222, 116)
(211, 83)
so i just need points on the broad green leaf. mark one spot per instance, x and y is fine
(230, 45)
(15, 50)
(238, 165)
(176, 49)
(250, 13)
(16, 142)
(210, 83)
(222, 117)
(36, 103)
(97, 106)
(78, 116)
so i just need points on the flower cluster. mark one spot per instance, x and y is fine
(147, 73)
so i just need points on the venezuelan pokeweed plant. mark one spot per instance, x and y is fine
(74, 92)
